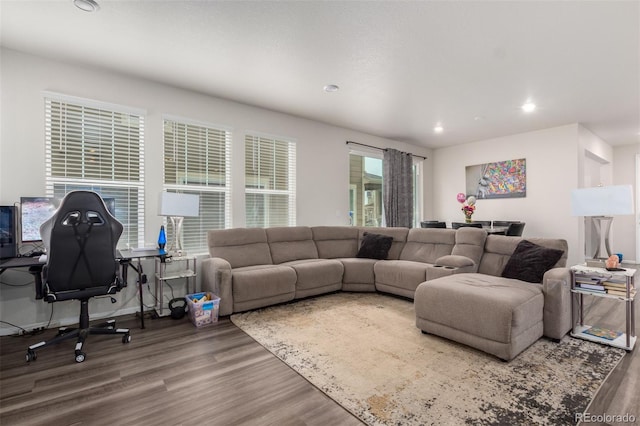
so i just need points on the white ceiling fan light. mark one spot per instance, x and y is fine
(87, 5)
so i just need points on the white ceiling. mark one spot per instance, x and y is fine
(401, 66)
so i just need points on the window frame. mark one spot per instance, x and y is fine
(291, 178)
(104, 187)
(200, 189)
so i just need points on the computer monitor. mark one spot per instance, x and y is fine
(34, 211)
(7, 232)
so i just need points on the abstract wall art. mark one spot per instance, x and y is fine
(502, 179)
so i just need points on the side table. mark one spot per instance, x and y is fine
(165, 271)
(599, 282)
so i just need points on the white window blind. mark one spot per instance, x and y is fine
(197, 160)
(98, 147)
(270, 182)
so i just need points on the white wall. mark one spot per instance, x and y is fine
(624, 173)
(552, 172)
(322, 155)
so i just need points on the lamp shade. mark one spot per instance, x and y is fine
(174, 204)
(602, 201)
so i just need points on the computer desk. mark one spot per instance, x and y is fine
(126, 258)
(35, 268)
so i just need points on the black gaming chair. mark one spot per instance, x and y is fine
(81, 240)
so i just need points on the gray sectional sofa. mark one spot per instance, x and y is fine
(454, 277)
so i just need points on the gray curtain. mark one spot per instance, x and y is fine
(397, 188)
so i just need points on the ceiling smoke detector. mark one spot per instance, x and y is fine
(87, 5)
(330, 88)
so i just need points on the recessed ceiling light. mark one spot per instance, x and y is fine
(329, 88)
(438, 128)
(528, 106)
(87, 5)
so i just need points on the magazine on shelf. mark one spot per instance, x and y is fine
(592, 287)
(603, 333)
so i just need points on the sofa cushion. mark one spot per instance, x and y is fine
(289, 243)
(403, 274)
(314, 273)
(358, 271)
(335, 242)
(426, 244)
(470, 243)
(374, 246)
(530, 261)
(262, 281)
(240, 246)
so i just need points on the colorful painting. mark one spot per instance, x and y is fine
(502, 179)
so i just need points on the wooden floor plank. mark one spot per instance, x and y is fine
(174, 373)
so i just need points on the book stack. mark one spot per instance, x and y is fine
(604, 285)
(590, 283)
(618, 287)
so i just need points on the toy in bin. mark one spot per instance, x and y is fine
(203, 308)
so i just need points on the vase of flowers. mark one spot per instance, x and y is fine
(468, 206)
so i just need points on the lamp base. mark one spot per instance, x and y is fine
(175, 247)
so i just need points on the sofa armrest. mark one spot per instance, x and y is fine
(556, 287)
(216, 278)
(449, 265)
(454, 261)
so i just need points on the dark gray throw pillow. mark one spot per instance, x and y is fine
(530, 261)
(374, 246)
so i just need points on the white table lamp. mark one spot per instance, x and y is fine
(178, 206)
(601, 204)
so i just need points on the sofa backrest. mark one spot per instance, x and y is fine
(428, 244)
(289, 243)
(335, 242)
(399, 238)
(240, 246)
(499, 248)
(470, 242)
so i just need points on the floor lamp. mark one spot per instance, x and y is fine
(601, 204)
(178, 206)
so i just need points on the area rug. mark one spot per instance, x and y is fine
(364, 351)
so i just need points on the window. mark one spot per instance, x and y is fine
(365, 196)
(270, 182)
(197, 161)
(365, 190)
(99, 147)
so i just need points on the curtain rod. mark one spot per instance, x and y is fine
(382, 149)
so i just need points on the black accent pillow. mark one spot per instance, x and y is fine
(530, 261)
(374, 246)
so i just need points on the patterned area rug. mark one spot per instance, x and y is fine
(364, 351)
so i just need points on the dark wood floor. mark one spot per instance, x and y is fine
(172, 373)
